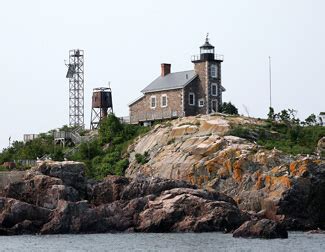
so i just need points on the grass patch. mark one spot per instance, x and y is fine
(289, 138)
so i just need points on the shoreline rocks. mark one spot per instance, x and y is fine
(56, 198)
(264, 228)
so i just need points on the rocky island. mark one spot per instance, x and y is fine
(187, 175)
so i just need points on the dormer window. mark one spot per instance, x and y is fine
(214, 71)
(191, 99)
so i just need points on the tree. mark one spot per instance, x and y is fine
(229, 108)
(284, 115)
(109, 128)
(311, 120)
(271, 115)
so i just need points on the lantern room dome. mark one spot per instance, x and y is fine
(207, 50)
(207, 45)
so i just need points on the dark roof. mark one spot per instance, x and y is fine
(171, 81)
(207, 43)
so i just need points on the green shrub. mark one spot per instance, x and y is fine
(142, 159)
(229, 108)
(2, 168)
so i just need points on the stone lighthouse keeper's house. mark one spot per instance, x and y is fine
(186, 93)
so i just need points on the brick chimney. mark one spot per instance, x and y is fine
(165, 69)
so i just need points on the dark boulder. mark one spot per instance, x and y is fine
(106, 191)
(307, 195)
(187, 209)
(41, 190)
(264, 228)
(71, 173)
(17, 216)
(141, 186)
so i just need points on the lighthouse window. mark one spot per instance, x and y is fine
(214, 71)
(214, 89)
(153, 102)
(191, 99)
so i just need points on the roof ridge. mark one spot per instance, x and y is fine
(170, 81)
(182, 71)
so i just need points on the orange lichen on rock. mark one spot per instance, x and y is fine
(228, 165)
(200, 181)
(300, 168)
(275, 170)
(282, 180)
(210, 166)
(293, 167)
(260, 181)
(285, 181)
(268, 181)
(191, 178)
(237, 170)
(223, 173)
(302, 171)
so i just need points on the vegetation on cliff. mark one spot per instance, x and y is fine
(102, 156)
(107, 155)
(284, 132)
(31, 150)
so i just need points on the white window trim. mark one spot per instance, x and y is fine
(161, 101)
(199, 102)
(214, 85)
(189, 99)
(215, 75)
(153, 96)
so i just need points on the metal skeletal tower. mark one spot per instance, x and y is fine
(75, 75)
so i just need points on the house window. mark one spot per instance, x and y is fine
(163, 102)
(201, 102)
(214, 89)
(214, 71)
(153, 102)
(191, 99)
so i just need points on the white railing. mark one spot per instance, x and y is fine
(199, 57)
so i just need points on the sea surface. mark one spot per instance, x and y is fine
(297, 241)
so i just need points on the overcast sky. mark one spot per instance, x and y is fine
(125, 42)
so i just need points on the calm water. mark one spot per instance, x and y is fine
(160, 242)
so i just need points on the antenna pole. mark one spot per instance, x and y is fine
(270, 76)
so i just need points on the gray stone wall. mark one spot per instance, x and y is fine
(210, 81)
(141, 110)
(205, 81)
(200, 93)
